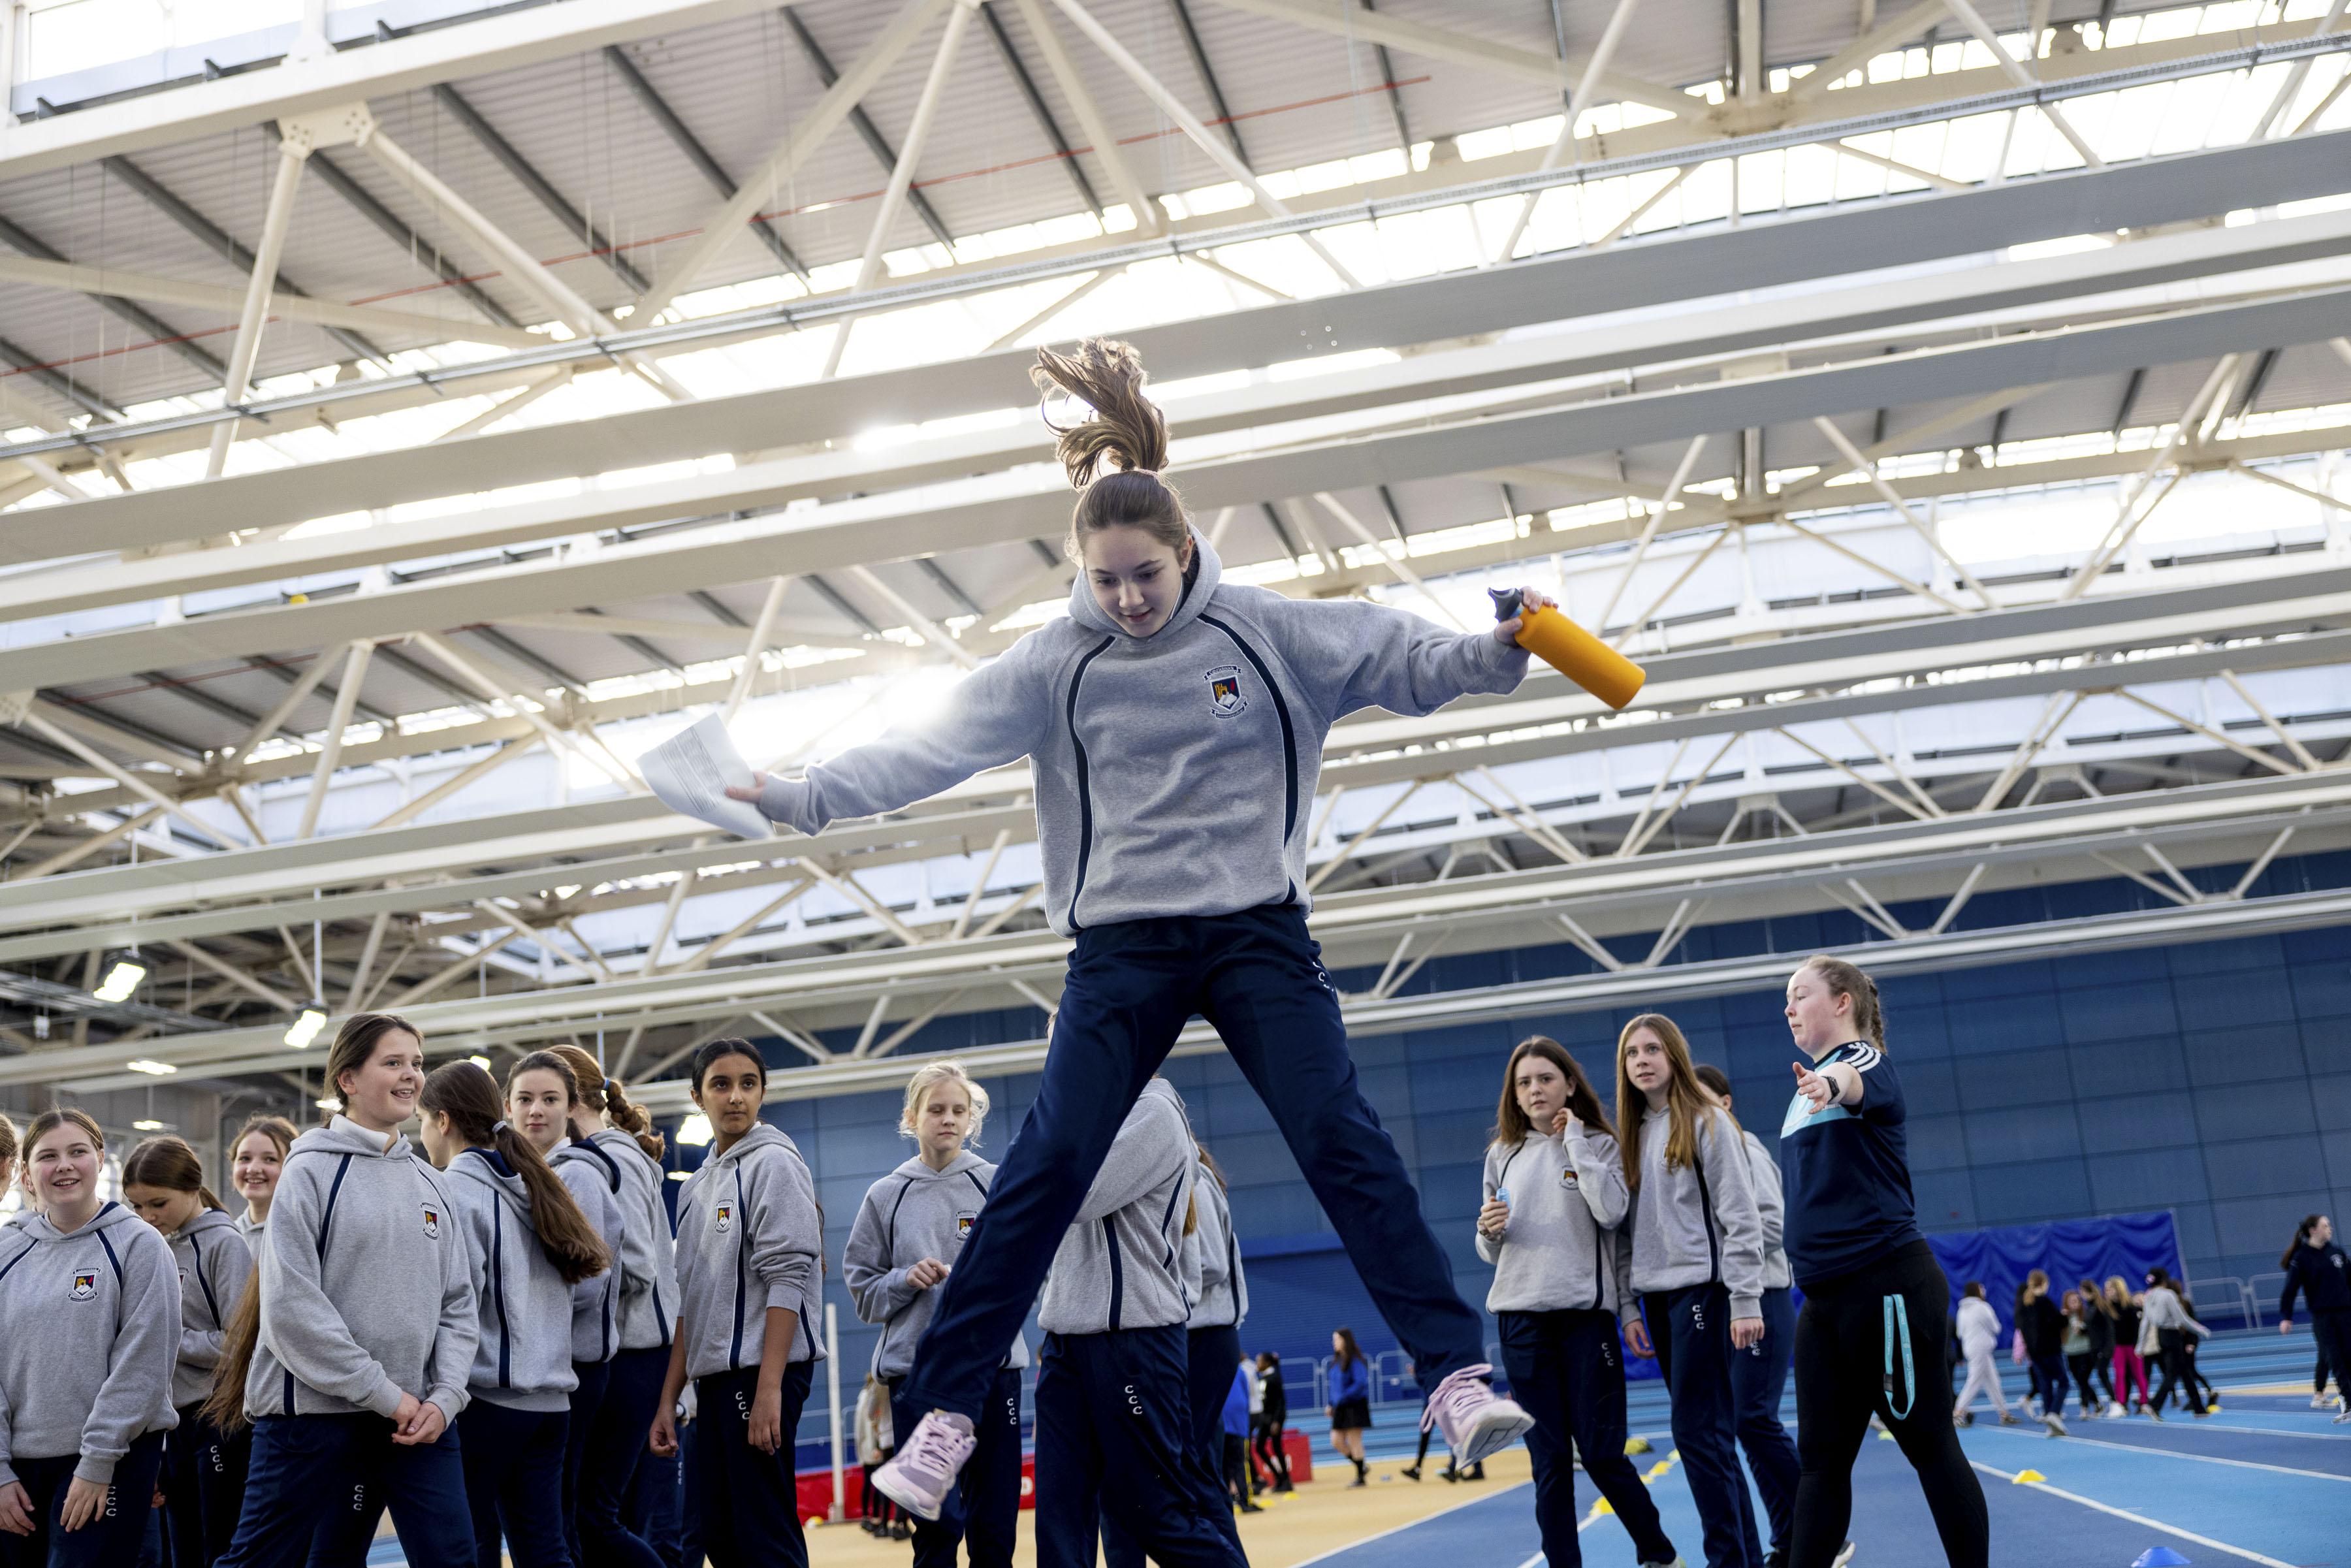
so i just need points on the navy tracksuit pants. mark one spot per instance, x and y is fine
(984, 1510)
(1759, 1377)
(514, 1483)
(316, 1485)
(610, 1452)
(1258, 980)
(1690, 1329)
(1212, 1355)
(747, 1501)
(1565, 1368)
(113, 1536)
(1114, 1441)
(203, 1487)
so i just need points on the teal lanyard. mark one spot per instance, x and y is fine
(1897, 1319)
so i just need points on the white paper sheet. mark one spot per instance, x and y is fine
(689, 773)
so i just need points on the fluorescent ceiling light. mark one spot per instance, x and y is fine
(306, 1028)
(147, 1124)
(121, 981)
(695, 1130)
(154, 1069)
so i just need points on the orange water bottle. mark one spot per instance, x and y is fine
(1572, 651)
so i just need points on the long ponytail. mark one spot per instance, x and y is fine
(468, 1096)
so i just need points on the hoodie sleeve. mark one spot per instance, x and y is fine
(1599, 1176)
(585, 1181)
(449, 1366)
(139, 1377)
(224, 1266)
(7, 1438)
(1732, 1184)
(1149, 1148)
(879, 1292)
(1352, 654)
(1619, 1257)
(1770, 1206)
(298, 1318)
(995, 717)
(786, 1236)
(1489, 1249)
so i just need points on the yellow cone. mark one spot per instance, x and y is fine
(1636, 1445)
(1884, 1435)
(2025, 1478)
(1602, 1507)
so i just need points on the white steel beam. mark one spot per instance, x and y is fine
(293, 152)
(1148, 217)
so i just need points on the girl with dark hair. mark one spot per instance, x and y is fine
(1272, 1421)
(1174, 724)
(256, 1158)
(607, 1125)
(750, 1241)
(531, 1245)
(1350, 1409)
(908, 1238)
(2044, 1328)
(543, 1099)
(1870, 1339)
(1554, 1189)
(92, 1306)
(2316, 1269)
(2123, 1305)
(2168, 1323)
(2098, 1329)
(350, 1349)
(1692, 1251)
(204, 1468)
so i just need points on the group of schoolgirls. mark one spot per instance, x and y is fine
(1142, 1400)
(472, 1339)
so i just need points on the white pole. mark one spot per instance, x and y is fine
(832, 1398)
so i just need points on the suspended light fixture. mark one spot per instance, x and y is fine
(122, 979)
(695, 1130)
(306, 1028)
(152, 1068)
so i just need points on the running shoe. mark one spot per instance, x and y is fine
(2056, 1427)
(919, 1476)
(1473, 1419)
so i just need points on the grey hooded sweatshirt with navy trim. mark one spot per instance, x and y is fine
(648, 1247)
(1566, 1194)
(367, 1282)
(912, 1213)
(1172, 771)
(748, 1238)
(1771, 1208)
(92, 1320)
(214, 1265)
(1699, 1223)
(522, 1357)
(1222, 1299)
(1122, 1263)
(593, 1178)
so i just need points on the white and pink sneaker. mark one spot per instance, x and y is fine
(919, 1476)
(1471, 1417)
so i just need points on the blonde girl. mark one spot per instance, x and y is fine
(256, 1158)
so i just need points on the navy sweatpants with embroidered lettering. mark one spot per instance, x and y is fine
(1114, 1439)
(1690, 1329)
(1257, 979)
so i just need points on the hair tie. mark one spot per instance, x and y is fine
(497, 1126)
(611, 1086)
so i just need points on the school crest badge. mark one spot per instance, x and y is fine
(963, 1226)
(432, 1221)
(85, 1285)
(1567, 1178)
(725, 1217)
(1225, 691)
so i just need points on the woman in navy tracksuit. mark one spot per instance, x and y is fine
(531, 1248)
(1174, 724)
(1870, 1339)
(2316, 1269)
(204, 1468)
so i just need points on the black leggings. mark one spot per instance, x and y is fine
(1841, 1378)
(2179, 1372)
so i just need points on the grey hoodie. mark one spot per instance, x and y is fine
(522, 1354)
(214, 1263)
(1222, 1300)
(593, 1178)
(912, 1213)
(1160, 761)
(92, 1320)
(1565, 1195)
(1770, 1207)
(1121, 1264)
(367, 1282)
(648, 1249)
(250, 1228)
(1677, 1238)
(748, 1238)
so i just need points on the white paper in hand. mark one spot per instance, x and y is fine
(689, 773)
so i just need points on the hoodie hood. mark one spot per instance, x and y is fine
(916, 1170)
(111, 1216)
(206, 1221)
(344, 1136)
(489, 1168)
(762, 1135)
(1088, 613)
